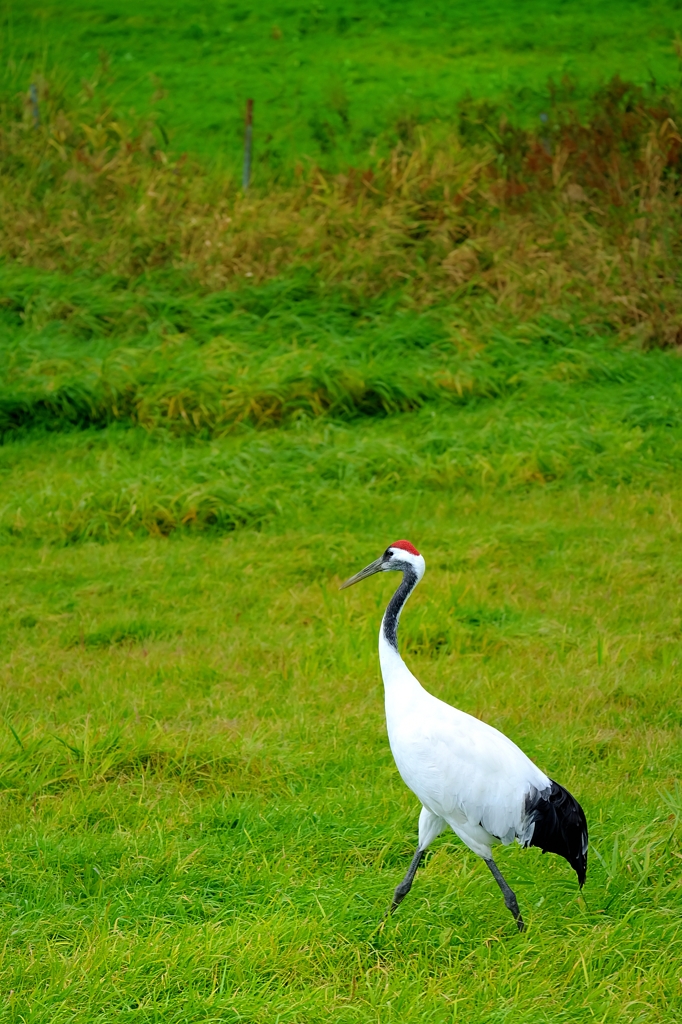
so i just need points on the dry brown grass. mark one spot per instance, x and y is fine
(585, 213)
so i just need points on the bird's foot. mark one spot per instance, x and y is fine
(390, 910)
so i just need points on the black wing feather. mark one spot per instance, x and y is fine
(560, 827)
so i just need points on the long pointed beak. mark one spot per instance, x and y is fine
(369, 570)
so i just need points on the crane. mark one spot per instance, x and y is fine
(466, 774)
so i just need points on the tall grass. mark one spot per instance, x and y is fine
(128, 296)
(543, 411)
(583, 212)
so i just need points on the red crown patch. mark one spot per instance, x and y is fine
(405, 545)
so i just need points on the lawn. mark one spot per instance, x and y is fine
(201, 819)
(215, 407)
(330, 80)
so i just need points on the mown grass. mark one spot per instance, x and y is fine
(329, 80)
(201, 820)
(214, 407)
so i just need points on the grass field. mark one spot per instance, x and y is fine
(201, 818)
(216, 407)
(330, 80)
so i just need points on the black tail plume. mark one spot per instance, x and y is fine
(560, 827)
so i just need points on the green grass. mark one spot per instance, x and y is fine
(340, 76)
(201, 819)
(200, 816)
(540, 408)
(214, 408)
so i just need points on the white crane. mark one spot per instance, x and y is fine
(465, 773)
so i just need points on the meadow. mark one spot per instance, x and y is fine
(435, 315)
(330, 81)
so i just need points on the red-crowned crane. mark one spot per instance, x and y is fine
(465, 773)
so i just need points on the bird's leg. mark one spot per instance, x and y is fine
(402, 890)
(509, 897)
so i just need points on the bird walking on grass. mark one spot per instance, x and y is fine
(466, 774)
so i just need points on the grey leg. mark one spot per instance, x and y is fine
(402, 890)
(509, 897)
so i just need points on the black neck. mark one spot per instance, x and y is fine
(395, 606)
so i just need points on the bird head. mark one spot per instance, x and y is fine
(401, 556)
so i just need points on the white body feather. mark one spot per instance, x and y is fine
(465, 773)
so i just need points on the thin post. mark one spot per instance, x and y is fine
(248, 142)
(35, 109)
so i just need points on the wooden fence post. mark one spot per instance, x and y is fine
(248, 142)
(35, 109)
